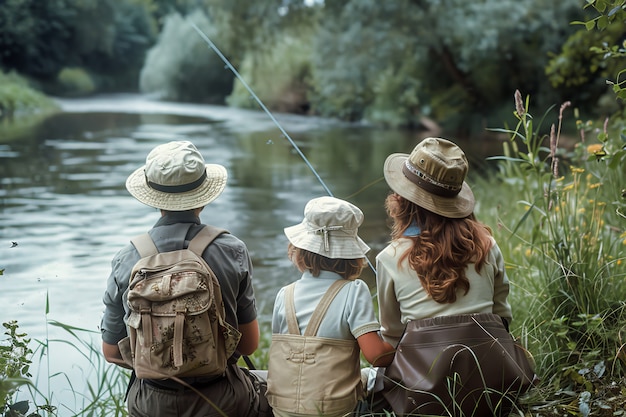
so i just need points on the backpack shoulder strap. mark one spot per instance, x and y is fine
(144, 245)
(322, 307)
(205, 236)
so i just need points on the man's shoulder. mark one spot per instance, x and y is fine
(228, 244)
(228, 239)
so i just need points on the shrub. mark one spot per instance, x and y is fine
(75, 82)
(279, 77)
(181, 68)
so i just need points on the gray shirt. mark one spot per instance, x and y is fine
(227, 256)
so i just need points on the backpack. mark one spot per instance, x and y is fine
(177, 325)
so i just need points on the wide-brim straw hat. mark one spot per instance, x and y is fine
(433, 177)
(175, 178)
(330, 228)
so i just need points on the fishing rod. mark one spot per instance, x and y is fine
(258, 100)
(271, 116)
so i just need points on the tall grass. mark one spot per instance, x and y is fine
(99, 391)
(559, 216)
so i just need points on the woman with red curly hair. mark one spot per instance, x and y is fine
(442, 271)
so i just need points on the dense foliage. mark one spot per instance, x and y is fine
(395, 63)
(107, 38)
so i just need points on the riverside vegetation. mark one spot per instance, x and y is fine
(559, 213)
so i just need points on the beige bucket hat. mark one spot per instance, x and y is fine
(433, 177)
(175, 178)
(330, 228)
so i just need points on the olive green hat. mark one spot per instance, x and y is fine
(433, 177)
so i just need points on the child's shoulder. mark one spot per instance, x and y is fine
(359, 286)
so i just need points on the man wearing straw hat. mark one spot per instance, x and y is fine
(176, 180)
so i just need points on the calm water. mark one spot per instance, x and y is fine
(64, 210)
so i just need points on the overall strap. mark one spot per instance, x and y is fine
(290, 310)
(318, 313)
(205, 236)
(322, 307)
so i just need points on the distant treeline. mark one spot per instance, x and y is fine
(394, 62)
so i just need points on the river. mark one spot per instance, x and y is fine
(64, 210)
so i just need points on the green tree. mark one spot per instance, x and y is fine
(460, 58)
(589, 58)
(107, 37)
(35, 36)
(181, 68)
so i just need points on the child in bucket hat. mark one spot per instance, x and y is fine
(324, 320)
(441, 260)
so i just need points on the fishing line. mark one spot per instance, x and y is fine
(271, 116)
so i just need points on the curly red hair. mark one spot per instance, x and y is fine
(442, 250)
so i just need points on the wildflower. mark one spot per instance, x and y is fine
(578, 170)
(563, 107)
(596, 149)
(596, 185)
(528, 252)
(568, 187)
(560, 179)
(519, 104)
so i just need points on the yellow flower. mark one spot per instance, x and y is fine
(560, 179)
(577, 170)
(568, 187)
(596, 185)
(528, 252)
(595, 148)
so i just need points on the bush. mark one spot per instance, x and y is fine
(75, 82)
(278, 77)
(15, 364)
(181, 68)
(18, 98)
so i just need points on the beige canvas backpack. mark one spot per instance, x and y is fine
(177, 324)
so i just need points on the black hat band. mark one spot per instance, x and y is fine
(176, 189)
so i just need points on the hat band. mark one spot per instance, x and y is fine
(427, 183)
(175, 189)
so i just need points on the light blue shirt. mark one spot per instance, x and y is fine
(350, 315)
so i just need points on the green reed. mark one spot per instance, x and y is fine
(558, 213)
